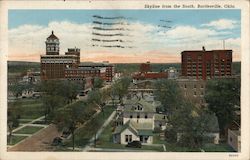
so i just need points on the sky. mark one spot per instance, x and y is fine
(158, 36)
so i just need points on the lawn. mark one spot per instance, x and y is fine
(217, 148)
(28, 130)
(84, 134)
(16, 139)
(105, 141)
(30, 108)
(25, 120)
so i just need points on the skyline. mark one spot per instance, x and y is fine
(145, 36)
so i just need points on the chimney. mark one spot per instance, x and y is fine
(203, 48)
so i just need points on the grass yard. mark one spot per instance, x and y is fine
(28, 130)
(217, 148)
(84, 134)
(16, 139)
(30, 108)
(25, 120)
(105, 141)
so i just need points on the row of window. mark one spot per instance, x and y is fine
(138, 116)
(194, 86)
(128, 138)
(195, 94)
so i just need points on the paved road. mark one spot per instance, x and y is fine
(117, 150)
(40, 141)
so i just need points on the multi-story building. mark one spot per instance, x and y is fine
(53, 65)
(145, 67)
(106, 70)
(56, 66)
(193, 90)
(146, 73)
(202, 64)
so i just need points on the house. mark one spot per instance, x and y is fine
(136, 122)
(132, 131)
(160, 121)
(234, 139)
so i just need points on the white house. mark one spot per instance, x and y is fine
(137, 123)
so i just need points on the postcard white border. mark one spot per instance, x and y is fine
(108, 4)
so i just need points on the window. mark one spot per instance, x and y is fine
(126, 138)
(194, 93)
(146, 116)
(185, 86)
(131, 116)
(130, 138)
(195, 86)
(138, 116)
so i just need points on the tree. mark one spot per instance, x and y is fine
(13, 115)
(185, 121)
(98, 83)
(169, 94)
(71, 117)
(18, 88)
(120, 87)
(56, 94)
(222, 97)
(95, 96)
(191, 124)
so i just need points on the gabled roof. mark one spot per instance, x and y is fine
(136, 128)
(120, 129)
(130, 105)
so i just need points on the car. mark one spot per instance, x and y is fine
(134, 144)
(65, 134)
(57, 141)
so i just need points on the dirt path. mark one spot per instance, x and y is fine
(40, 141)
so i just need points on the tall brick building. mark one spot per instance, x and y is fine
(202, 64)
(56, 66)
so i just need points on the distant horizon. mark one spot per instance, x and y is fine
(112, 63)
(135, 36)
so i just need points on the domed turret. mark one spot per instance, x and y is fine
(52, 45)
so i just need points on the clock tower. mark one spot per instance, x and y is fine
(52, 45)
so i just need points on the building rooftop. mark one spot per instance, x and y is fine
(137, 128)
(131, 106)
(160, 117)
(82, 69)
(52, 36)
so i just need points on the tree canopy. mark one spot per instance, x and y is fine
(120, 87)
(223, 98)
(186, 122)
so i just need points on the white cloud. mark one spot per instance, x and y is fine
(221, 24)
(145, 38)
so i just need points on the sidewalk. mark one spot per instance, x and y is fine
(92, 140)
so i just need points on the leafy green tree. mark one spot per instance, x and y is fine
(120, 87)
(18, 88)
(95, 96)
(71, 117)
(56, 94)
(184, 119)
(222, 97)
(98, 83)
(191, 124)
(169, 94)
(13, 115)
